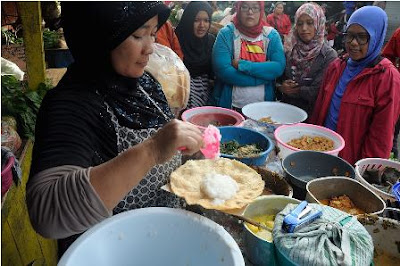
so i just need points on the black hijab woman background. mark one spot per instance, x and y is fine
(197, 43)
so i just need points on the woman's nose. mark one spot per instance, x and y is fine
(148, 46)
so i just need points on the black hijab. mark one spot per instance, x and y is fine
(74, 126)
(196, 51)
(107, 25)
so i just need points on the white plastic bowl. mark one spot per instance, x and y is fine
(281, 113)
(155, 236)
(379, 164)
(284, 134)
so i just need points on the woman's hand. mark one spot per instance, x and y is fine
(289, 87)
(174, 135)
(235, 63)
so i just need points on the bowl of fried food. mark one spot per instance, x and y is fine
(271, 115)
(302, 136)
(245, 145)
(345, 194)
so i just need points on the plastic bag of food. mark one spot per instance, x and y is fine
(10, 68)
(10, 137)
(166, 66)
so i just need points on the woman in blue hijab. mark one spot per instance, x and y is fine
(360, 98)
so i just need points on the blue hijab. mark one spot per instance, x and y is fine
(374, 20)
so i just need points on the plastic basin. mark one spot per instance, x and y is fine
(375, 164)
(360, 195)
(284, 134)
(246, 136)
(281, 113)
(304, 166)
(216, 116)
(258, 250)
(155, 236)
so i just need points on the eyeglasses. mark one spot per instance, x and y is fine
(361, 38)
(254, 9)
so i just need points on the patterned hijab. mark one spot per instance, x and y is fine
(302, 54)
(254, 31)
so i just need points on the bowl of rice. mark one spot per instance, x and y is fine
(245, 145)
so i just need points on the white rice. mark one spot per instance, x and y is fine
(219, 187)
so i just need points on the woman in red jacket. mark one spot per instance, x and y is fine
(360, 96)
(279, 20)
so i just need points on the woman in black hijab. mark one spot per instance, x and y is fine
(106, 140)
(196, 43)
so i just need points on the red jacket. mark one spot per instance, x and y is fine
(281, 23)
(368, 112)
(166, 36)
(392, 48)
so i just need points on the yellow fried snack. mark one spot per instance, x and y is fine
(186, 182)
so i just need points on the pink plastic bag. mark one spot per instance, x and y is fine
(212, 139)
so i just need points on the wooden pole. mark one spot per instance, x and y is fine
(31, 19)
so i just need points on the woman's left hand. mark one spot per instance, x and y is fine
(235, 63)
(289, 87)
(174, 135)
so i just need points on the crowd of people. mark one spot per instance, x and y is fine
(106, 139)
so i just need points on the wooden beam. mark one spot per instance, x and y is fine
(31, 19)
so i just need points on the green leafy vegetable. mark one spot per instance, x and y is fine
(19, 101)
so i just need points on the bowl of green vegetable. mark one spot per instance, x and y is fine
(245, 145)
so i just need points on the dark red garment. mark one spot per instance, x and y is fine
(254, 31)
(281, 23)
(332, 32)
(368, 112)
(392, 49)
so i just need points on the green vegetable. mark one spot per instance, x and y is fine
(51, 39)
(19, 101)
(241, 151)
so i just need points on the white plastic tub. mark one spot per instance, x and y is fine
(284, 134)
(157, 237)
(281, 113)
(375, 164)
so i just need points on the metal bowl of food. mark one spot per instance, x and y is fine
(345, 194)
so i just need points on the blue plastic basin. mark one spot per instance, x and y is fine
(245, 136)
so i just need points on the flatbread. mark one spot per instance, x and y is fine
(186, 182)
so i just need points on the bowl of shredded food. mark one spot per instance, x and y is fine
(245, 145)
(307, 137)
(271, 115)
